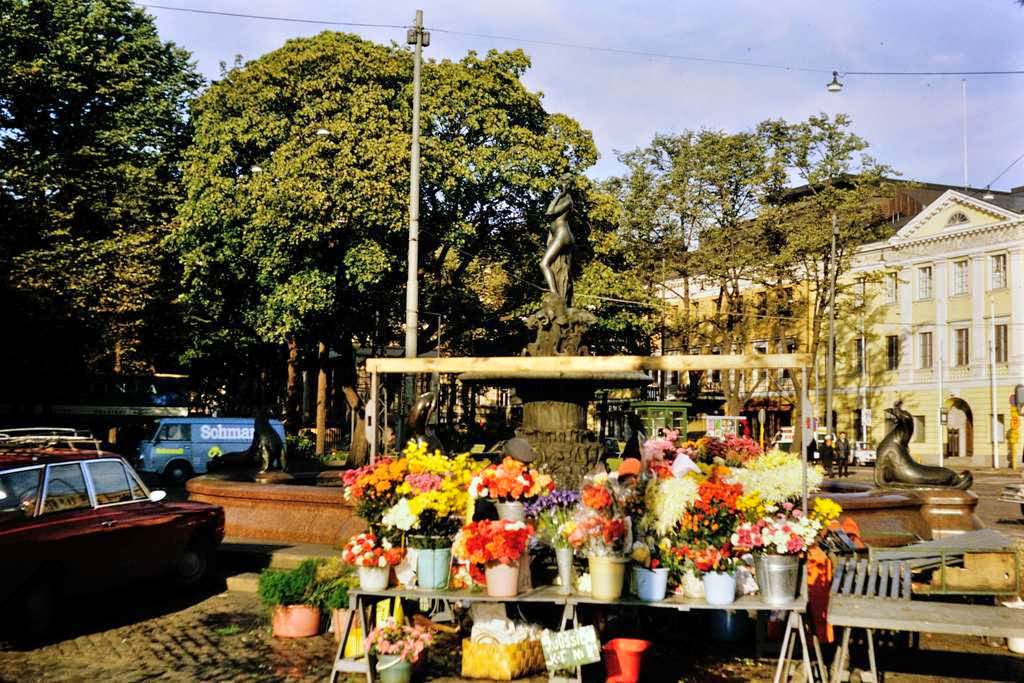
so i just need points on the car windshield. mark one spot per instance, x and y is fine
(19, 491)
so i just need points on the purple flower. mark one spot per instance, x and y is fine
(560, 498)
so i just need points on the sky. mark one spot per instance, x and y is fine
(913, 123)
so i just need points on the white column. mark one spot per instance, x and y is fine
(1015, 280)
(907, 294)
(940, 350)
(979, 346)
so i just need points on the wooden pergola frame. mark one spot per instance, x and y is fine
(553, 366)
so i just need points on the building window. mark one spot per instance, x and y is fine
(963, 346)
(999, 271)
(1002, 339)
(924, 282)
(791, 347)
(958, 218)
(892, 352)
(960, 278)
(858, 355)
(919, 429)
(925, 349)
(892, 288)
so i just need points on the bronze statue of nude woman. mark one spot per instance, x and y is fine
(557, 260)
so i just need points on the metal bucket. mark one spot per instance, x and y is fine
(778, 577)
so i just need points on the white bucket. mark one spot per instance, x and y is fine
(1015, 644)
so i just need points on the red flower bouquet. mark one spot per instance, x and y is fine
(492, 542)
(712, 559)
(713, 516)
(510, 481)
(364, 550)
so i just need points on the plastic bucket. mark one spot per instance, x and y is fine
(373, 578)
(622, 659)
(502, 580)
(606, 577)
(391, 669)
(514, 511)
(432, 565)
(651, 584)
(719, 588)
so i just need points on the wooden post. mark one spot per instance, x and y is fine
(371, 414)
(321, 399)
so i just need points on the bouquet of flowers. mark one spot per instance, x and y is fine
(431, 499)
(711, 518)
(777, 477)
(554, 516)
(710, 558)
(600, 536)
(374, 488)
(364, 550)
(740, 450)
(510, 481)
(786, 530)
(490, 542)
(405, 642)
(648, 552)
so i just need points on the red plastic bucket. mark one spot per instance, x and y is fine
(622, 657)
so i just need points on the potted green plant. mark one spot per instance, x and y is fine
(290, 593)
(334, 579)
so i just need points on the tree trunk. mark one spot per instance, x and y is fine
(291, 410)
(321, 399)
(346, 379)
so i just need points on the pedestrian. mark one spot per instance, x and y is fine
(843, 455)
(812, 450)
(828, 455)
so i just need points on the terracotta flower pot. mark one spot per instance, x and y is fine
(296, 621)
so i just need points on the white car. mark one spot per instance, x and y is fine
(863, 453)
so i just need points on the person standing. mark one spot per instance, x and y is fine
(843, 455)
(828, 455)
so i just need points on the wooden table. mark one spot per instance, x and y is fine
(363, 610)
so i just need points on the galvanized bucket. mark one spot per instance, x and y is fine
(778, 577)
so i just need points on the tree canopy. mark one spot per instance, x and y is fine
(295, 218)
(92, 123)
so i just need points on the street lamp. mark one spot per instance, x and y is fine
(988, 196)
(835, 85)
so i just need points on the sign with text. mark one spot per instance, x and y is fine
(569, 649)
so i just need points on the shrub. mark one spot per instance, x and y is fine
(288, 587)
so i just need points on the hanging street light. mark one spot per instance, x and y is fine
(835, 85)
(988, 196)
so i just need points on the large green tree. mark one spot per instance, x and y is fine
(92, 123)
(295, 223)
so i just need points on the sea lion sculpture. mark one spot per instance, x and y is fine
(266, 448)
(895, 468)
(416, 422)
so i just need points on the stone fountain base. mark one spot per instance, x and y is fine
(289, 512)
(894, 517)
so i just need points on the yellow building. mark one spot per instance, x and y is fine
(941, 328)
(922, 317)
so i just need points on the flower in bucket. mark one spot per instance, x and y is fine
(554, 516)
(510, 481)
(777, 477)
(714, 559)
(787, 532)
(405, 642)
(365, 550)
(598, 535)
(646, 553)
(374, 488)
(489, 542)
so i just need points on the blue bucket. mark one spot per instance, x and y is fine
(432, 565)
(651, 584)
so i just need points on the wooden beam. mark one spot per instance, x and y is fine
(578, 364)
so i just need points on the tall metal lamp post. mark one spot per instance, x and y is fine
(420, 38)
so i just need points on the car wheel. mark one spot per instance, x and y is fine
(195, 564)
(38, 603)
(178, 472)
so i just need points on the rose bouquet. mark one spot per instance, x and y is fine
(406, 643)
(711, 559)
(554, 516)
(510, 481)
(365, 550)
(598, 536)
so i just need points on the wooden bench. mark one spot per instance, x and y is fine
(876, 596)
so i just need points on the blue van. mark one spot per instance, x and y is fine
(181, 446)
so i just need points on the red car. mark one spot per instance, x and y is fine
(77, 523)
